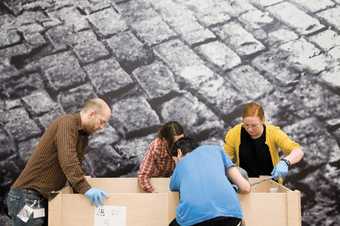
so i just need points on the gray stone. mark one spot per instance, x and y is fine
(61, 37)
(133, 114)
(332, 16)
(335, 53)
(71, 17)
(274, 62)
(172, 11)
(220, 55)
(310, 98)
(48, 117)
(302, 22)
(220, 95)
(27, 17)
(177, 55)
(129, 51)
(305, 56)
(21, 85)
(9, 37)
(42, 4)
(264, 3)
(88, 48)
(191, 113)
(73, 99)
(333, 175)
(215, 15)
(323, 202)
(97, 5)
(16, 50)
(35, 40)
(28, 29)
(248, 81)
(315, 5)
(184, 22)
(26, 149)
(239, 39)
(7, 145)
(256, 19)
(107, 76)
(10, 104)
(282, 35)
(51, 21)
(331, 77)
(106, 136)
(153, 30)
(195, 76)
(134, 11)
(326, 40)
(156, 79)
(334, 122)
(136, 148)
(7, 71)
(107, 162)
(107, 22)
(278, 107)
(61, 73)
(233, 8)
(317, 150)
(20, 126)
(192, 32)
(39, 102)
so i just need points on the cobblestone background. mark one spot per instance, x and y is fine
(195, 61)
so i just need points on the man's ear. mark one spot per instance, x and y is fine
(92, 113)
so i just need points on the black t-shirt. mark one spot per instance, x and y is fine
(254, 154)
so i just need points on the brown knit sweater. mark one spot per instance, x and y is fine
(57, 158)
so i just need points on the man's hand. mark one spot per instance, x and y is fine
(280, 170)
(96, 196)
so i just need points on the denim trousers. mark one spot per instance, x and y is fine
(17, 198)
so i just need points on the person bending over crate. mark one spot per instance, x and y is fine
(157, 161)
(57, 158)
(207, 197)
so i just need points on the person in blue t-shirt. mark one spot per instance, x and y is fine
(207, 197)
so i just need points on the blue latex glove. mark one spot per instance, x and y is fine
(280, 170)
(96, 196)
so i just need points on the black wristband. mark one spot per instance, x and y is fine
(287, 162)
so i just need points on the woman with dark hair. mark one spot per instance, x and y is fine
(207, 197)
(254, 145)
(157, 161)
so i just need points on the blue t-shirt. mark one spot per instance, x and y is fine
(205, 191)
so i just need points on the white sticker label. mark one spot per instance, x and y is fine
(110, 216)
(37, 213)
(25, 213)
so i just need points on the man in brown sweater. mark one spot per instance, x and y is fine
(56, 159)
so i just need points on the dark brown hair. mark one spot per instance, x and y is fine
(168, 131)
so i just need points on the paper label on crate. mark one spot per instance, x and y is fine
(110, 216)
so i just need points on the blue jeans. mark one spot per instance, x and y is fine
(17, 198)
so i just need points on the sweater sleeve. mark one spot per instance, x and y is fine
(229, 144)
(66, 141)
(284, 142)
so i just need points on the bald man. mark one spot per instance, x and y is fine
(56, 159)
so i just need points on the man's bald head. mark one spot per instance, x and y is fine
(95, 114)
(97, 104)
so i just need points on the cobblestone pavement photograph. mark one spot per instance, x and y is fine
(195, 61)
